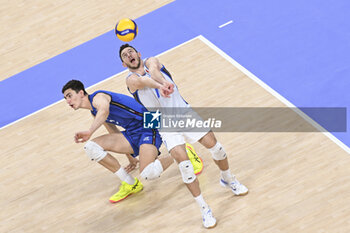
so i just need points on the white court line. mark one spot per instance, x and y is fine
(241, 68)
(14, 122)
(275, 94)
(225, 24)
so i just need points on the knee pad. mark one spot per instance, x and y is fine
(187, 172)
(152, 171)
(94, 151)
(218, 152)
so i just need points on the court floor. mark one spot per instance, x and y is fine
(298, 181)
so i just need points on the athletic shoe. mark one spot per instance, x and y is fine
(208, 219)
(196, 161)
(126, 190)
(237, 188)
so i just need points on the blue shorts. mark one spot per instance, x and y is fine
(144, 136)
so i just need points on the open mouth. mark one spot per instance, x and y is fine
(132, 60)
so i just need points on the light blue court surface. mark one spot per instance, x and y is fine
(301, 49)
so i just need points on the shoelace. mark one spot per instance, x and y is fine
(235, 184)
(123, 188)
(208, 215)
(195, 157)
(135, 185)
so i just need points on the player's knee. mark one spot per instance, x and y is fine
(179, 153)
(208, 140)
(218, 152)
(152, 171)
(187, 172)
(94, 151)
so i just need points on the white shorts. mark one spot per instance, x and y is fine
(172, 139)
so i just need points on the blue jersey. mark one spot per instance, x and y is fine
(124, 111)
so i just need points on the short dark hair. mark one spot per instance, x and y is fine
(123, 47)
(75, 85)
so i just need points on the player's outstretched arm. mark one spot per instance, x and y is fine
(154, 67)
(135, 82)
(101, 103)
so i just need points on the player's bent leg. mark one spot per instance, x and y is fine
(115, 142)
(186, 169)
(96, 153)
(208, 140)
(96, 150)
(152, 170)
(150, 167)
(189, 178)
(219, 155)
(110, 163)
(227, 179)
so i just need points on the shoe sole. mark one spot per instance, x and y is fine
(211, 226)
(111, 201)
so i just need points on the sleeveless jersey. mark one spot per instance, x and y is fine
(151, 97)
(124, 111)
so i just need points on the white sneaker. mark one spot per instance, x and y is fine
(237, 188)
(208, 219)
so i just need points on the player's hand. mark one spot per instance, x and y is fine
(132, 165)
(82, 136)
(167, 89)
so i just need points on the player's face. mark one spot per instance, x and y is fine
(131, 58)
(73, 99)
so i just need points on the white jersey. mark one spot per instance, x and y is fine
(151, 97)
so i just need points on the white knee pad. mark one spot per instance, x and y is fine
(218, 152)
(187, 172)
(94, 151)
(152, 171)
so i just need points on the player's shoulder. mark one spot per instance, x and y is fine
(152, 62)
(131, 79)
(151, 59)
(103, 95)
(131, 76)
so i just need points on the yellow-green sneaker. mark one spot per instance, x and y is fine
(126, 190)
(196, 161)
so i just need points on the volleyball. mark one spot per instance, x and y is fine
(126, 29)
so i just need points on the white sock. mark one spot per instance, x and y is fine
(202, 204)
(124, 176)
(227, 176)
